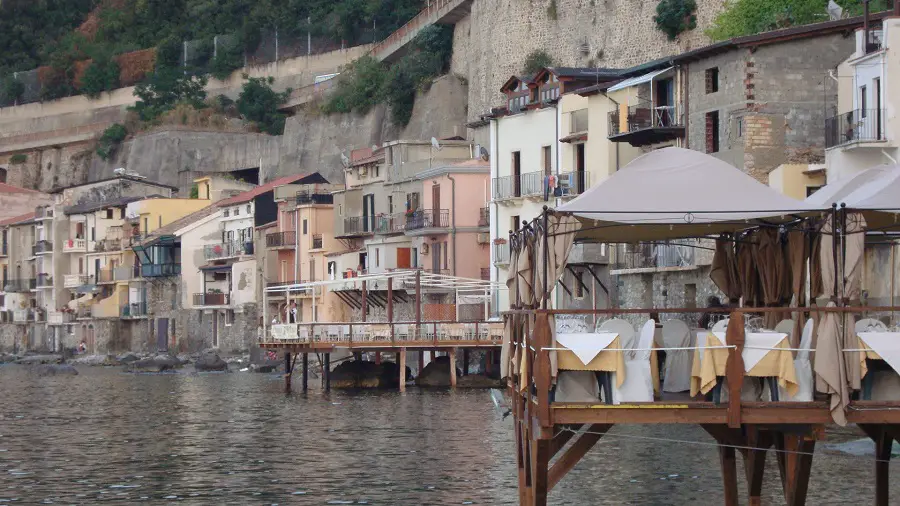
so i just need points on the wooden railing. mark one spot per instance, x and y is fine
(362, 334)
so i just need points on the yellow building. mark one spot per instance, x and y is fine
(151, 214)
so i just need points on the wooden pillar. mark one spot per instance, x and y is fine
(287, 372)
(401, 361)
(377, 357)
(453, 367)
(488, 362)
(729, 474)
(365, 301)
(305, 371)
(883, 442)
(794, 463)
(421, 361)
(418, 298)
(465, 368)
(326, 372)
(755, 462)
(390, 305)
(540, 466)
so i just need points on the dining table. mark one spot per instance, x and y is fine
(765, 355)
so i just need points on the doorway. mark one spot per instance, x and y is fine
(579, 169)
(436, 258)
(162, 335)
(435, 207)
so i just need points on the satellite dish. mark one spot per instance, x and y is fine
(484, 153)
(374, 147)
(834, 10)
(435, 144)
(345, 161)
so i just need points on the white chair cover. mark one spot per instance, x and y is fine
(677, 334)
(785, 327)
(721, 325)
(638, 384)
(803, 367)
(870, 325)
(621, 327)
(577, 386)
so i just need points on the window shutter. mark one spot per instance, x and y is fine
(709, 133)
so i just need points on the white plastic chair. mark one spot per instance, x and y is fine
(333, 332)
(677, 334)
(303, 333)
(870, 325)
(803, 369)
(621, 327)
(345, 332)
(638, 384)
(401, 332)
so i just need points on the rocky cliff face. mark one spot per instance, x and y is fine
(492, 43)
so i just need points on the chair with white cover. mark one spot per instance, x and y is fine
(303, 333)
(805, 379)
(638, 384)
(401, 332)
(875, 367)
(677, 334)
(334, 332)
(785, 327)
(621, 327)
(870, 325)
(576, 386)
(345, 332)
(721, 325)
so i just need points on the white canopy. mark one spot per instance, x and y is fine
(674, 192)
(881, 192)
(838, 191)
(634, 81)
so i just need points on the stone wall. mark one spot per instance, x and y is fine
(492, 43)
(665, 288)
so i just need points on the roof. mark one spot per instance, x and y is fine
(89, 207)
(114, 178)
(180, 223)
(17, 219)
(267, 225)
(515, 79)
(584, 72)
(378, 157)
(472, 166)
(249, 195)
(675, 193)
(8, 188)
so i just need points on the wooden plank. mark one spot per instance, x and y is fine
(883, 442)
(542, 339)
(401, 360)
(562, 437)
(540, 484)
(801, 469)
(755, 462)
(575, 453)
(684, 414)
(734, 336)
(452, 367)
(729, 475)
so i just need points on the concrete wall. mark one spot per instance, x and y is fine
(205, 233)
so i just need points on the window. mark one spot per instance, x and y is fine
(690, 295)
(248, 209)
(340, 209)
(578, 284)
(390, 204)
(517, 173)
(863, 103)
(414, 258)
(109, 213)
(712, 132)
(227, 212)
(547, 157)
(514, 226)
(712, 80)
(377, 257)
(80, 229)
(229, 317)
(122, 213)
(739, 127)
(237, 211)
(811, 189)
(376, 170)
(304, 226)
(444, 252)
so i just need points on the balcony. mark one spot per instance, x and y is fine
(6, 316)
(60, 317)
(654, 256)
(501, 253)
(74, 246)
(23, 315)
(126, 273)
(212, 299)
(20, 285)
(105, 276)
(317, 241)
(160, 270)
(859, 126)
(133, 310)
(308, 198)
(76, 280)
(355, 226)
(39, 315)
(44, 281)
(646, 124)
(573, 183)
(390, 224)
(107, 244)
(83, 311)
(428, 219)
(227, 250)
(524, 185)
(43, 213)
(274, 284)
(41, 247)
(281, 239)
(484, 217)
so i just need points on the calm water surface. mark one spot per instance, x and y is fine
(106, 436)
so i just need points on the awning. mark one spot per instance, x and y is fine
(216, 268)
(634, 81)
(86, 289)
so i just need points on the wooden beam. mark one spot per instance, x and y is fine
(365, 301)
(575, 453)
(305, 371)
(755, 462)
(452, 367)
(734, 336)
(401, 361)
(578, 279)
(390, 303)
(883, 443)
(540, 485)
(729, 474)
(590, 269)
(562, 437)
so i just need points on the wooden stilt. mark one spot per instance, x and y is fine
(377, 357)
(421, 361)
(326, 371)
(755, 462)
(401, 361)
(287, 372)
(465, 367)
(575, 453)
(729, 474)
(305, 372)
(453, 367)
(540, 463)
(562, 437)
(488, 362)
(883, 443)
(794, 464)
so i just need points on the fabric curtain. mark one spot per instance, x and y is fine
(854, 238)
(724, 271)
(561, 231)
(769, 258)
(798, 254)
(747, 272)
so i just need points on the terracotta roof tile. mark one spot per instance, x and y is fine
(249, 195)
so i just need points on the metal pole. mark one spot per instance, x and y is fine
(365, 302)
(546, 259)
(305, 371)
(418, 299)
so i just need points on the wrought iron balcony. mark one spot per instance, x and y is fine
(428, 218)
(653, 256)
(133, 310)
(524, 185)
(358, 225)
(20, 285)
(646, 124)
(317, 241)
(307, 198)
(573, 183)
(287, 239)
(212, 299)
(41, 247)
(390, 223)
(160, 270)
(227, 250)
(861, 125)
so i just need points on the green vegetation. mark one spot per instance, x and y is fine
(18, 158)
(195, 192)
(368, 82)
(258, 104)
(535, 61)
(110, 140)
(101, 75)
(551, 11)
(746, 17)
(676, 16)
(11, 90)
(166, 88)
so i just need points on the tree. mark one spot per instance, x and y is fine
(101, 75)
(110, 140)
(535, 61)
(166, 88)
(676, 16)
(258, 104)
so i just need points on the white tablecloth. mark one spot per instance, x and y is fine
(886, 344)
(586, 346)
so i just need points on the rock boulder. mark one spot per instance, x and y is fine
(437, 373)
(159, 363)
(210, 361)
(55, 370)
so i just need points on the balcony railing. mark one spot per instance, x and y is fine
(861, 125)
(317, 241)
(212, 299)
(428, 218)
(23, 315)
(107, 244)
(84, 311)
(20, 285)
(133, 310)
(42, 247)
(573, 183)
(484, 217)
(105, 276)
(44, 280)
(524, 185)
(501, 253)
(390, 223)
(306, 198)
(160, 270)
(125, 273)
(39, 315)
(60, 317)
(74, 245)
(359, 225)
(650, 256)
(76, 280)
(227, 250)
(281, 239)
(272, 284)
(645, 116)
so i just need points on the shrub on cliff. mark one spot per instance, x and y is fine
(11, 90)
(101, 75)
(166, 88)
(358, 88)
(258, 104)
(535, 61)
(676, 16)
(110, 140)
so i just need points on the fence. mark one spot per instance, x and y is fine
(854, 126)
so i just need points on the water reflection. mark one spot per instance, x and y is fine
(236, 439)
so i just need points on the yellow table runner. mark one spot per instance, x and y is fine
(776, 363)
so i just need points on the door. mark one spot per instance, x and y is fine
(215, 329)
(435, 207)
(368, 213)
(403, 258)
(665, 100)
(579, 168)
(517, 174)
(96, 270)
(548, 160)
(162, 334)
(877, 91)
(436, 258)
